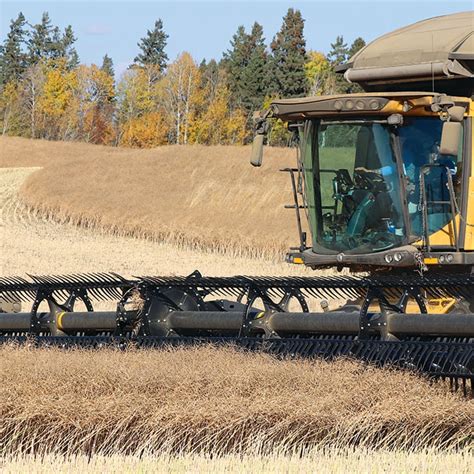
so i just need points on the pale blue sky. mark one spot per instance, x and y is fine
(205, 28)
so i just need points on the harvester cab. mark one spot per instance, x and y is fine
(384, 176)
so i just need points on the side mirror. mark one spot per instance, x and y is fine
(257, 150)
(261, 130)
(450, 138)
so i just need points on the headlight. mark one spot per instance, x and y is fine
(449, 258)
(442, 259)
(398, 257)
(389, 258)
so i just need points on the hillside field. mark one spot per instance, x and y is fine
(204, 198)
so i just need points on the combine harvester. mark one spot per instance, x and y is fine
(385, 178)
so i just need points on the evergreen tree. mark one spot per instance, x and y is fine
(339, 54)
(61, 47)
(108, 65)
(47, 42)
(41, 44)
(73, 60)
(356, 46)
(152, 48)
(67, 49)
(287, 76)
(235, 61)
(12, 58)
(253, 76)
(245, 63)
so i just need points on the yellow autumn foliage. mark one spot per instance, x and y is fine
(219, 125)
(146, 131)
(57, 90)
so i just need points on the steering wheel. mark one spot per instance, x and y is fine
(367, 179)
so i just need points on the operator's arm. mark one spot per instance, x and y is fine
(384, 171)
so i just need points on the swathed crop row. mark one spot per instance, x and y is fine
(220, 401)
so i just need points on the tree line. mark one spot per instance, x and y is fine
(45, 91)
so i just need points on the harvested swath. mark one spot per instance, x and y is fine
(209, 400)
(204, 198)
(32, 244)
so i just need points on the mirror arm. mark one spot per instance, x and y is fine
(261, 130)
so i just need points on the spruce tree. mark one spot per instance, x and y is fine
(108, 65)
(67, 49)
(286, 71)
(253, 76)
(235, 60)
(61, 46)
(12, 58)
(41, 42)
(73, 59)
(338, 54)
(245, 64)
(356, 46)
(152, 48)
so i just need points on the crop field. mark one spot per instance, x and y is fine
(220, 401)
(194, 410)
(203, 198)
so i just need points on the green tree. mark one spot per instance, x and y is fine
(356, 46)
(12, 58)
(211, 75)
(152, 48)
(40, 43)
(61, 47)
(339, 54)
(245, 64)
(286, 66)
(254, 74)
(235, 61)
(108, 66)
(46, 42)
(67, 49)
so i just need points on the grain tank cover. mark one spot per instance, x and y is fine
(436, 54)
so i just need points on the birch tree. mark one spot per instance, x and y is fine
(182, 95)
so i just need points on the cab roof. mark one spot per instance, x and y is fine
(435, 49)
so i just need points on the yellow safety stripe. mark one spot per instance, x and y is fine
(59, 318)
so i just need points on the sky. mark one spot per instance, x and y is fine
(205, 28)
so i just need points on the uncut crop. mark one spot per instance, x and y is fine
(220, 401)
(203, 198)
